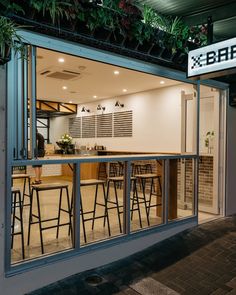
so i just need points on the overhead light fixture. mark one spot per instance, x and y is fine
(95, 96)
(162, 82)
(116, 72)
(124, 90)
(64, 87)
(100, 108)
(70, 101)
(85, 110)
(118, 104)
(61, 59)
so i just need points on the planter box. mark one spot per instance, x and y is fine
(156, 50)
(7, 57)
(167, 54)
(117, 38)
(131, 43)
(102, 34)
(180, 58)
(4, 60)
(146, 47)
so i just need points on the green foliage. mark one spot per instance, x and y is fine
(129, 17)
(56, 9)
(9, 38)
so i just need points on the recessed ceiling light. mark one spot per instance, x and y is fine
(116, 72)
(124, 90)
(64, 87)
(162, 82)
(95, 96)
(70, 101)
(61, 59)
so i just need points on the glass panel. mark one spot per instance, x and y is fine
(102, 189)
(146, 200)
(41, 216)
(209, 152)
(181, 189)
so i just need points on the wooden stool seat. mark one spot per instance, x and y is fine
(91, 182)
(119, 178)
(48, 186)
(147, 175)
(16, 176)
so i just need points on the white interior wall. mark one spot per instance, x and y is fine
(206, 120)
(58, 126)
(156, 121)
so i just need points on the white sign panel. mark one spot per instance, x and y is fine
(213, 58)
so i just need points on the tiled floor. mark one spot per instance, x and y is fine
(199, 261)
(49, 203)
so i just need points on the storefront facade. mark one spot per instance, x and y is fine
(183, 161)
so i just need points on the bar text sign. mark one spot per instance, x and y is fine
(213, 59)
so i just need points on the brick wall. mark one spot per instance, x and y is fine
(206, 179)
(205, 193)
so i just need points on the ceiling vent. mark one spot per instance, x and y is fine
(61, 74)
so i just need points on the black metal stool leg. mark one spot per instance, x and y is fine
(30, 215)
(40, 222)
(59, 214)
(150, 197)
(145, 200)
(106, 210)
(69, 205)
(107, 197)
(138, 205)
(117, 207)
(21, 225)
(82, 216)
(94, 206)
(13, 218)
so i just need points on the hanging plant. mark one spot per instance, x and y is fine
(56, 10)
(9, 39)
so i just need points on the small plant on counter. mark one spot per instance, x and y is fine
(66, 139)
(65, 144)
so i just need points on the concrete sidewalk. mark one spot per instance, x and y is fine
(198, 261)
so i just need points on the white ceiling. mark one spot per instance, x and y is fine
(95, 79)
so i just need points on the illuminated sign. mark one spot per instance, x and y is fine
(212, 60)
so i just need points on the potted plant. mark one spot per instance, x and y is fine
(65, 144)
(209, 141)
(9, 39)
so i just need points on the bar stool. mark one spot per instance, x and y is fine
(141, 168)
(36, 189)
(135, 199)
(143, 178)
(92, 182)
(17, 203)
(26, 178)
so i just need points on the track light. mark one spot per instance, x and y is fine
(85, 110)
(118, 104)
(100, 108)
